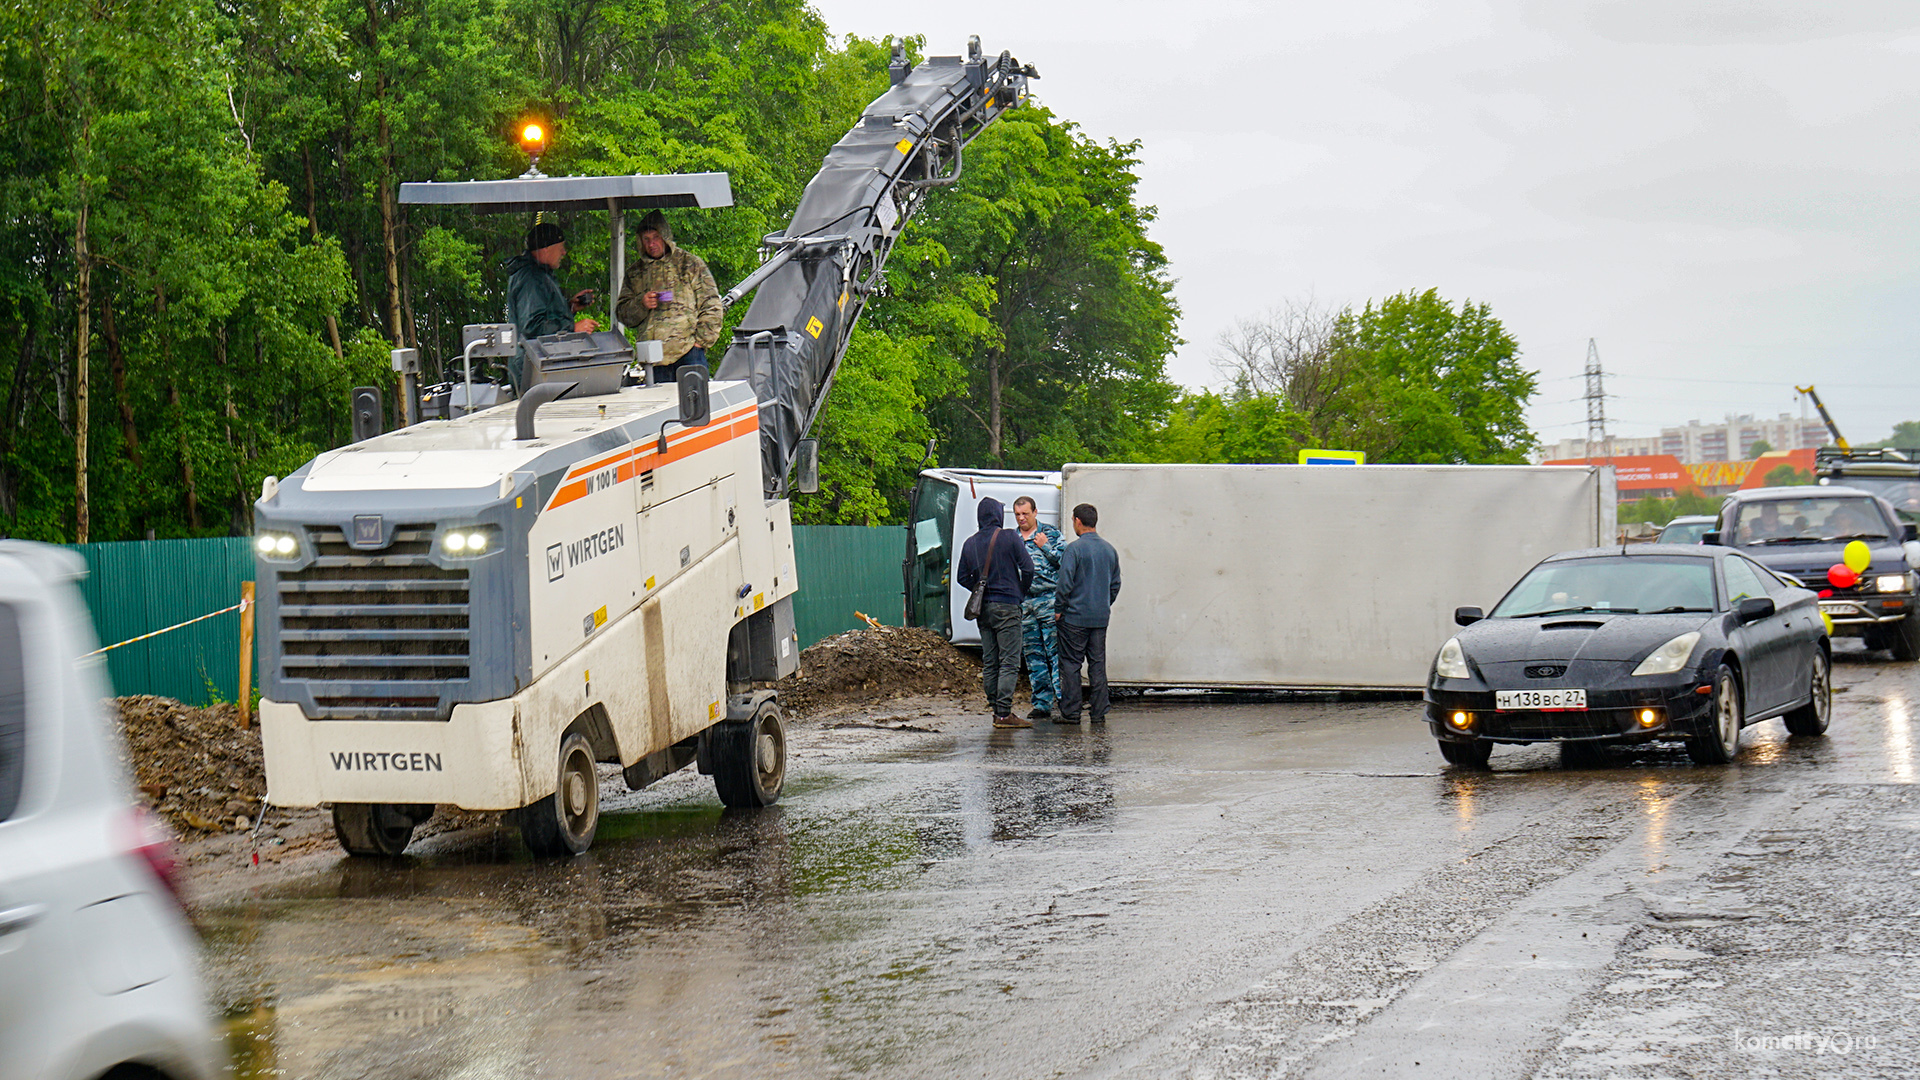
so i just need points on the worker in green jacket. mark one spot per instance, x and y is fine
(669, 296)
(534, 300)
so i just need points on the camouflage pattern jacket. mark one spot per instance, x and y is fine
(690, 320)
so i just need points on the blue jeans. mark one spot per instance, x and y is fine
(666, 374)
(999, 654)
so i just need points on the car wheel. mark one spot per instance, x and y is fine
(564, 822)
(379, 830)
(1473, 754)
(1583, 755)
(1719, 740)
(1813, 717)
(1904, 640)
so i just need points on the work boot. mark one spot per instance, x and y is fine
(1040, 712)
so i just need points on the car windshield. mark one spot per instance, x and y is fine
(1615, 584)
(1903, 493)
(1685, 532)
(1812, 520)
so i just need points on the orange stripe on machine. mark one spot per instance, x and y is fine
(624, 465)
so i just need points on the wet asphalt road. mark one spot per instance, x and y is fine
(1269, 888)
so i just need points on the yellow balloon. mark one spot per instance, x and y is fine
(1828, 619)
(1857, 556)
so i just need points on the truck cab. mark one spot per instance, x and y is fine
(944, 506)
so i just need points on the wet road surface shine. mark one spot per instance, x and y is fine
(1198, 890)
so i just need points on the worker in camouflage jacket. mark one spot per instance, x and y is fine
(1037, 624)
(669, 296)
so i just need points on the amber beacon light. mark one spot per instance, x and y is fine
(533, 139)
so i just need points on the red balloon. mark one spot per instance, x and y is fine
(1841, 576)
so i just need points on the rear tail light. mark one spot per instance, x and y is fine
(147, 840)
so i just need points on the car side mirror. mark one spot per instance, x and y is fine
(807, 466)
(1910, 531)
(1754, 608)
(1711, 536)
(1467, 616)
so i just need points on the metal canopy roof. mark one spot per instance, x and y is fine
(703, 190)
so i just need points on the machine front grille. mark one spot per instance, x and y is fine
(374, 633)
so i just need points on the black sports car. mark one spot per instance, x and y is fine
(1620, 645)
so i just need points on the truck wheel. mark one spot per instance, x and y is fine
(1812, 718)
(380, 830)
(564, 822)
(750, 765)
(1719, 739)
(1473, 754)
(1904, 640)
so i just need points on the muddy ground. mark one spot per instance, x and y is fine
(200, 769)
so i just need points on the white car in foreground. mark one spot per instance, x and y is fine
(98, 965)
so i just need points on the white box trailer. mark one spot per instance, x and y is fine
(1283, 576)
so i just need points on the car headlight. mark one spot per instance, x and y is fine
(276, 545)
(467, 542)
(1670, 657)
(1452, 661)
(1892, 583)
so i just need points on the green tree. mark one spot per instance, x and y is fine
(1905, 434)
(1760, 446)
(1788, 476)
(1237, 428)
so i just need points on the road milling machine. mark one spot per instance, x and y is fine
(476, 611)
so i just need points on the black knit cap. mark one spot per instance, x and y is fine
(545, 234)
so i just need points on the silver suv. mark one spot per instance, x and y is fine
(98, 964)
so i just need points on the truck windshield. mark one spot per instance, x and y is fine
(1613, 585)
(930, 553)
(1812, 520)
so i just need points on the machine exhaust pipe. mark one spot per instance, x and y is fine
(537, 395)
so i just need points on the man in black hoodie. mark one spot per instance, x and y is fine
(535, 303)
(995, 560)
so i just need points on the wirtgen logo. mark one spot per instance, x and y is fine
(1837, 1043)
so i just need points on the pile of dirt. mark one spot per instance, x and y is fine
(877, 663)
(198, 767)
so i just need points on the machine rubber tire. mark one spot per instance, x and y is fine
(376, 830)
(750, 759)
(1813, 717)
(1473, 754)
(1903, 641)
(564, 822)
(1583, 755)
(1721, 741)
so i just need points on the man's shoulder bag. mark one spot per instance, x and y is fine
(977, 599)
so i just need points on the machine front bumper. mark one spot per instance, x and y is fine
(473, 760)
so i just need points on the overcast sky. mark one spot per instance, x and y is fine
(1721, 193)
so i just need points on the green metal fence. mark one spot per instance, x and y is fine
(844, 569)
(140, 586)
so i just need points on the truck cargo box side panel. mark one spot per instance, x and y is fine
(1318, 575)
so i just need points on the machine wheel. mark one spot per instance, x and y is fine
(1718, 744)
(1583, 755)
(380, 830)
(750, 758)
(564, 822)
(1812, 718)
(1904, 640)
(1473, 754)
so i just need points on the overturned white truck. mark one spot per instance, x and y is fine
(475, 611)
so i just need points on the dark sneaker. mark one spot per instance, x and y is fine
(1099, 719)
(1039, 713)
(1067, 720)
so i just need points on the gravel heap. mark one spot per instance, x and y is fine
(198, 768)
(875, 664)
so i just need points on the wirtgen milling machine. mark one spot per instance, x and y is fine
(474, 611)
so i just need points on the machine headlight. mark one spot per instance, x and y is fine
(1891, 583)
(276, 545)
(467, 541)
(1670, 657)
(1452, 661)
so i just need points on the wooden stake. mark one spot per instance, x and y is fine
(246, 654)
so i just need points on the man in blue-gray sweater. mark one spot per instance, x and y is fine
(1089, 581)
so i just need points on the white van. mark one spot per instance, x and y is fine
(98, 964)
